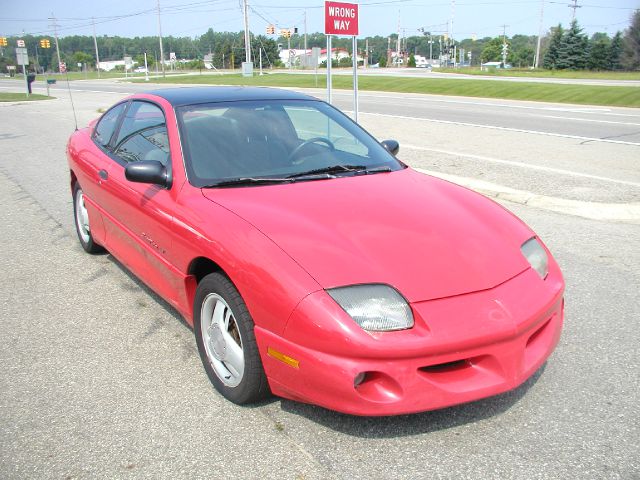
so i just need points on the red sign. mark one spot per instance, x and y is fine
(340, 18)
(63, 67)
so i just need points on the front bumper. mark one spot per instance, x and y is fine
(461, 349)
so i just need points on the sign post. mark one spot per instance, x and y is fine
(355, 79)
(329, 62)
(342, 19)
(22, 58)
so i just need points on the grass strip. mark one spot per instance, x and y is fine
(541, 92)
(541, 73)
(21, 97)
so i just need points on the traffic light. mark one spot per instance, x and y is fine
(45, 43)
(3, 41)
(271, 29)
(295, 30)
(286, 33)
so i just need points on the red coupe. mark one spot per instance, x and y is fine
(310, 261)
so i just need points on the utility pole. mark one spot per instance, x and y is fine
(573, 7)
(504, 46)
(37, 59)
(160, 40)
(453, 14)
(537, 62)
(247, 38)
(305, 36)
(54, 24)
(95, 44)
(398, 43)
(366, 53)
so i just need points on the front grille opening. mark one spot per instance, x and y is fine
(446, 367)
(537, 333)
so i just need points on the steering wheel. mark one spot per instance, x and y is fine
(296, 151)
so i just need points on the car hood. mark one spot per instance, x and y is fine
(424, 236)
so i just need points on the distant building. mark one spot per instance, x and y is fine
(110, 65)
(488, 65)
(298, 57)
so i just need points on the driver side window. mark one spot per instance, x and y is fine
(143, 134)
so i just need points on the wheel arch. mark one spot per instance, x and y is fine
(199, 268)
(73, 179)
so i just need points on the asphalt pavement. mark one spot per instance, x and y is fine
(101, 378)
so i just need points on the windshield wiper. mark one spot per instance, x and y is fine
(327, 171)
(317, 174)
(330, 169)
(240, 181)
(381, 169)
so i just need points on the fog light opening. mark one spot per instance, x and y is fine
(359, 378)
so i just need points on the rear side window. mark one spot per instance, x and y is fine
(143, 134)
(107, 124)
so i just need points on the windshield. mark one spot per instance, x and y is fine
(265, 142)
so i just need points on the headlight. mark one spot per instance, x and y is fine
(376, 308)
(536, 256)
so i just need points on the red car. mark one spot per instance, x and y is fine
(310, 261)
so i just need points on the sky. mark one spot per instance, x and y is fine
(190, 18)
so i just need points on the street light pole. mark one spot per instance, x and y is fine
(247, 37)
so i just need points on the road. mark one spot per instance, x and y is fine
(102, 380)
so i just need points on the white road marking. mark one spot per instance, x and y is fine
(505, 129)
(524, 165)
(558, 117)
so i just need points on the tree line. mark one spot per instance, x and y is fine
(561, 48)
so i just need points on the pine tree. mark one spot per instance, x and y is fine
(631, 52)
(615, 52)
(573, 52)
(599, 52)
(551, 57)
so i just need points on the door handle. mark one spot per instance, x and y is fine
(103, 174)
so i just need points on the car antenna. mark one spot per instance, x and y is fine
(73, 108)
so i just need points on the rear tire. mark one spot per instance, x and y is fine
(81, 217)
(226, 341)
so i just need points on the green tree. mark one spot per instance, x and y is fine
(83, 58)
(522, 50)
(599, 52)
(492, 51)
(631, 49)
(615, 52)
(574, 49)
(551, 57)
(412, 60)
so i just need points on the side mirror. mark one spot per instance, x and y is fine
(392, 146)
(147, 171)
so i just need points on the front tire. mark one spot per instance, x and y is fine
(226, 341)
(81, 220)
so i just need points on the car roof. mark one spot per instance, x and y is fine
(194, 95)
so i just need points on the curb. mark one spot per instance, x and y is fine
(616, 212)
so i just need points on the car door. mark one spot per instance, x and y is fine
(94, 164)
(138, 217)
